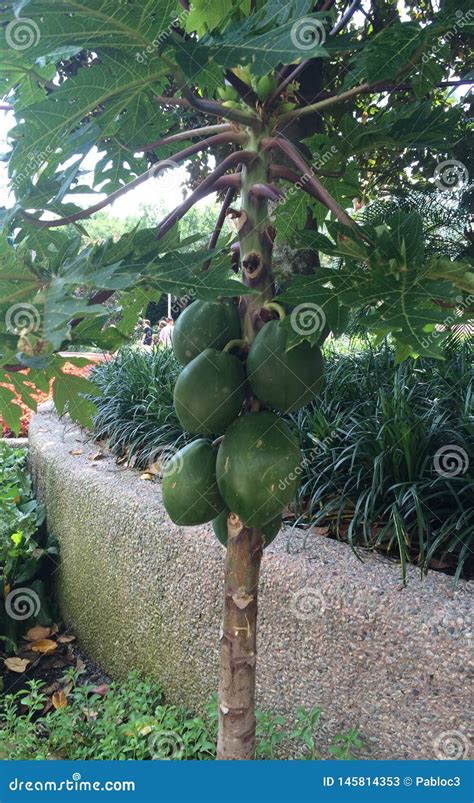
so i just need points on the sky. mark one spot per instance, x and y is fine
(167, 187)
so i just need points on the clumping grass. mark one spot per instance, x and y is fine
(135, 411)
(369, 444)
(370, 469)
(132, 720)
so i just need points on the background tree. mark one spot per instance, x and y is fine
(303, 108)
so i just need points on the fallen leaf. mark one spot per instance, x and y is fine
(37, 633)
(101, 690)
(16, 664)
(145, 730)
(76, 451)
(96, 456)
(89, 713)
(320, 530)
(146, 476)
(59, 699)
(44, 645)
(65, 639)
(80, 665)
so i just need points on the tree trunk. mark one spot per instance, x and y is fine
(236, 739)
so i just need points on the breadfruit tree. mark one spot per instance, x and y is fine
(289, 111)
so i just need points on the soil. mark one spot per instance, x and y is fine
(50, 668)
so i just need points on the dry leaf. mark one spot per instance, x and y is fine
(37, 633)
(145, 730)
(320, 530)
(96, 456)
(101, 690)
(89, 713)
(16, 664)
(45, 645)
(76, 451)
(80, 665)
(65, 639)
(59, 699)
(146, 476)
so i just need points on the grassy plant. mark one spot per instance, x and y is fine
(370, 443)
(27, 552)
(133, 721)
(135, 411)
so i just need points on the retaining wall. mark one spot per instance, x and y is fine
(334, 632)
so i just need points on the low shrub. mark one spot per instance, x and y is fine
(27, 552)
(389, 456)
(135, 411)
(132, 720)
(370, 442)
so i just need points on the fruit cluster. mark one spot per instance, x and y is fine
(251, 475)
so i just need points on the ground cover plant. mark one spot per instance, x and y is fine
(132, 720)
(27, 552)
(289, 113)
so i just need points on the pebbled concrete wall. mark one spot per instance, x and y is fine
(335, 632)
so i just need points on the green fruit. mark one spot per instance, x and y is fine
(258, 467)
(265, 86)
(286, 107)
(190, 492)
(284, 380)
(202, 325)
(269, 530)
(209, 392)
(227, 93)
